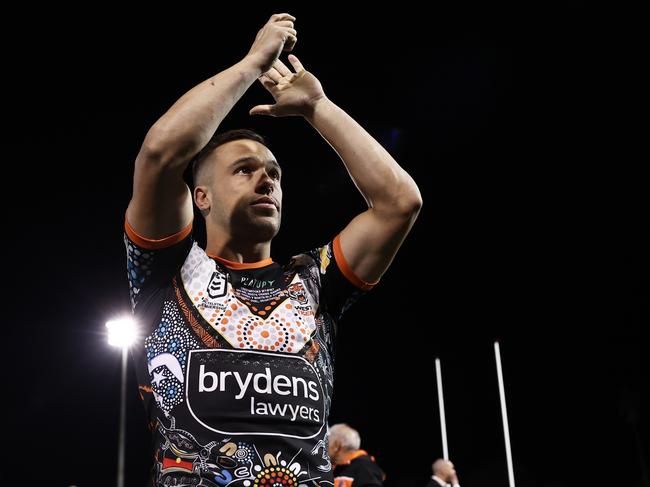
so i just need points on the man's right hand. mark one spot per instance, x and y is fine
(453, 476)
(276, 36)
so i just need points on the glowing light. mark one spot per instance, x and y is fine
(121, 332)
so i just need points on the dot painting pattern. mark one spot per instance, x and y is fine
(138, 268)
(166, 350)
(287, 328)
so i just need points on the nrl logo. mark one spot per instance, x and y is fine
(218, 285)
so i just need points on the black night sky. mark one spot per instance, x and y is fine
(526, 235)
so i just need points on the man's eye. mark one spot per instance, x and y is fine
(244, 170)
(275, 175)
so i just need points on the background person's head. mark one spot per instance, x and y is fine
(342, 440)
(443, 469)
(237, 186)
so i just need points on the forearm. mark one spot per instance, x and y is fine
(190, 123)
(383, 183)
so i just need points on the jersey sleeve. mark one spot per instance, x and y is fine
(340, 287)
(151, 264)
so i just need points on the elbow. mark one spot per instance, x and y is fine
(159, 150)
(151, 154)
(409, 201)
(410, 206)
(406, 200)
(405, 204)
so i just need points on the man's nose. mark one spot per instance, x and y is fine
(265, 184)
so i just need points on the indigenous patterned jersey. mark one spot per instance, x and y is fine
(235, 366)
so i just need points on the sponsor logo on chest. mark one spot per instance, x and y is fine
(243, 392)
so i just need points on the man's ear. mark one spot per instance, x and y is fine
(202, 198)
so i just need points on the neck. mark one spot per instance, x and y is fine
(237, 251)
(348, 455)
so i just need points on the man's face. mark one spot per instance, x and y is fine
(449, 470)
(244, 190)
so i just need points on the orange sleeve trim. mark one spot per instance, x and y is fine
(346, 270)
(155, 244)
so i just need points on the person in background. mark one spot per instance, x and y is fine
(353, 467)
(444, 474)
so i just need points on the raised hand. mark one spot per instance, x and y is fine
(276, 36)
(295, 93)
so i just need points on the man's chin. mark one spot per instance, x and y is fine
(261, 228)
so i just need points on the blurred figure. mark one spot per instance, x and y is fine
(444, 474)
(352, 467)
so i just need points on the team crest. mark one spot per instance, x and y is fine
(297, 291)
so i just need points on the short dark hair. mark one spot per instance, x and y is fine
(220, 139)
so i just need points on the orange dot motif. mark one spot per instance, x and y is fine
(264, 335)
(264, 328)
(275, 477)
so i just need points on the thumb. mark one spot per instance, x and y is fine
(262, 110)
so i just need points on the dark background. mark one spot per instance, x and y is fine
(528, 234)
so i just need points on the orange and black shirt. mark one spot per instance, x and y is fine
(235, 362)
(359, 471)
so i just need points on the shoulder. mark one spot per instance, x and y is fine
(318, 258)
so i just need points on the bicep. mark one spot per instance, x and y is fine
(161, 204)
(371, 240)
